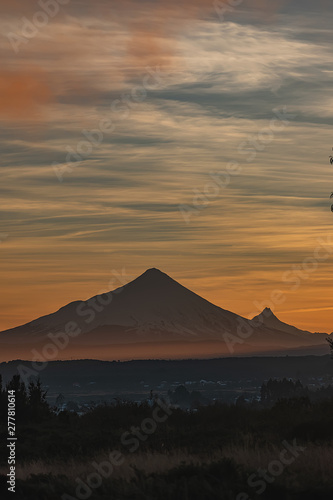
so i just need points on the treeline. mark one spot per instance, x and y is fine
(277, 390)
(285, 413)
(30, 402)
(67, 438)
(44, 434)
(184, 398)
(271, 392)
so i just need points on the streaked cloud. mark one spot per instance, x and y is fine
(119, 207)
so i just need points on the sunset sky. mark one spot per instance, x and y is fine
(176, 94)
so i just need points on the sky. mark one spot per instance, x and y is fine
(189, 136)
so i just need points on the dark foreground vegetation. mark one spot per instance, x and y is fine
(117, 378)
(155, 451)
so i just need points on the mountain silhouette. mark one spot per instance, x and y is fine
(156, 312)
(271, 321)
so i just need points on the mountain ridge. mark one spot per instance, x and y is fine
(155, 309)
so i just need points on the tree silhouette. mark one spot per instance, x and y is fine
(330, 341)
(21, 397)
(38, 406)
(3, 399)
(30, 405)
(60, 400)
(275, 390)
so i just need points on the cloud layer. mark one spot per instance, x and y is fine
(208, 103)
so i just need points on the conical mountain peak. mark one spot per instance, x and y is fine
(153, 272)
(152, 278)
(268, 312)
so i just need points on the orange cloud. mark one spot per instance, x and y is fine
(18, 8)
(22, 94)
(153, 28)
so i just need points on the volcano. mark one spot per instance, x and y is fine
(153, 316)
